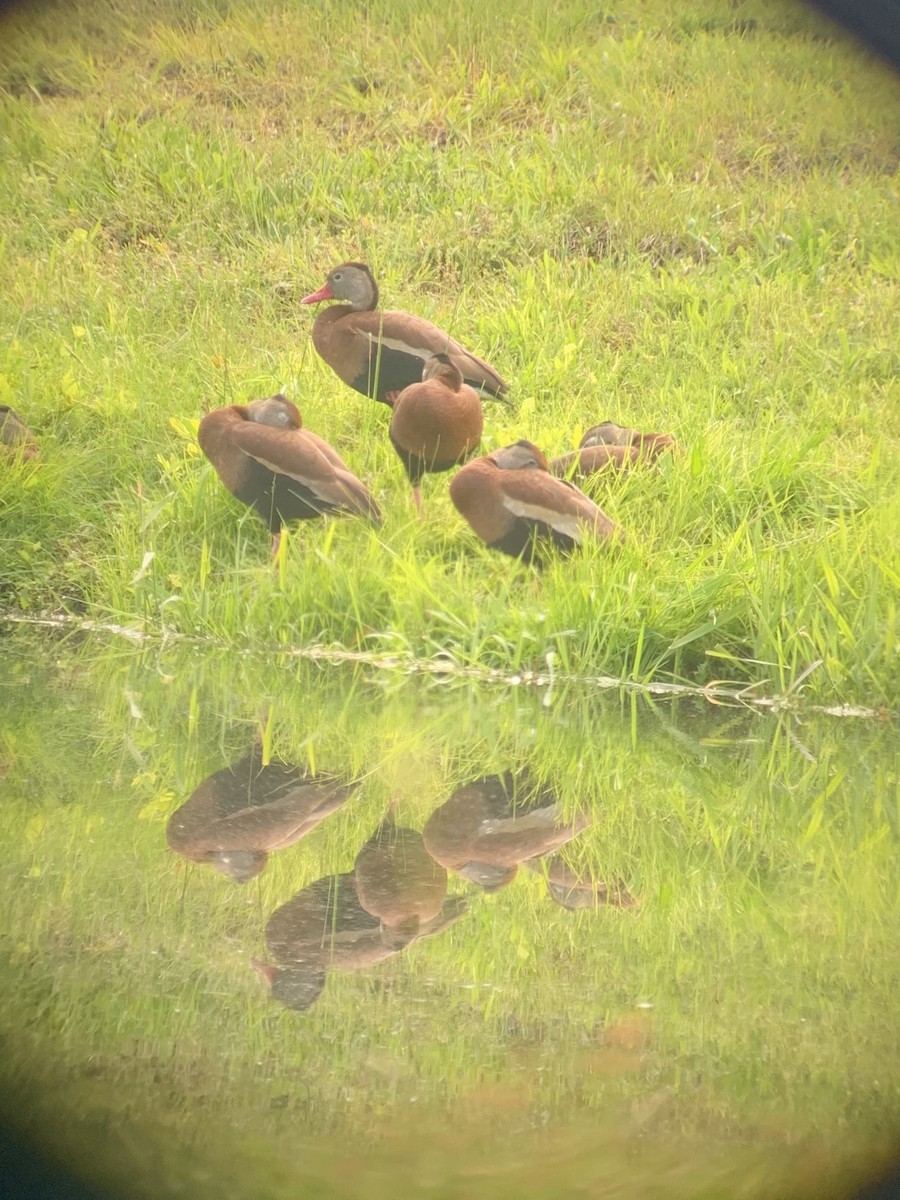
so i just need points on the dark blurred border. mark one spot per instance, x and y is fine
(25, 1172)
(875, 22)
(28, 1173)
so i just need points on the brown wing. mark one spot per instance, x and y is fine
(591, 460)
(526, 835)
(284, 821)
(542, 500)
(402, 333)
(327, 450)
(295, 455)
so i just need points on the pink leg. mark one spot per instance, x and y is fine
(417, 496)
(276, 542)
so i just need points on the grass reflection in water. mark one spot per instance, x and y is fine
(700, 959)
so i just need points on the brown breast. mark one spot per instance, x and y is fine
(433, 428)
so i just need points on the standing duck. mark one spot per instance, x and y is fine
(436, 424)
(381, 353)
(513, 503)
(324, 927)
(320, 928)
(650, 445)
(15, 436)
(397, 880)
(266, 458)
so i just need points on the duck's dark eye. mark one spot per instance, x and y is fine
(336, 277)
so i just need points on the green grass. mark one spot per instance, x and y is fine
(509, 1056)
(680, 219)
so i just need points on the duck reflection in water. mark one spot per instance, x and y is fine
(577, 888)
(324, 927)
(397, 880)
(237, 816)
(491, 825)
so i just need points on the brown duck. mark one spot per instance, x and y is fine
(492, 824)
(609, 447)
(650, 445)
(436, 424)
(515, 505)
(575, 889)
(236, 817)
(324, 927)
(15, 436)
(581, 464)
(397, 880)
(266, 458)
(379, 353)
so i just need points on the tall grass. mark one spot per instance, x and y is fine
(680, 220)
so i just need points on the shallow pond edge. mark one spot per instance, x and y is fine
(408, 664)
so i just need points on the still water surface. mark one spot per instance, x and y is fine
(271, 930)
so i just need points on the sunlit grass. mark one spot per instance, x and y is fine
(681, 220)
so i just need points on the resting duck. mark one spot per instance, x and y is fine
(514, 504)
(381, 353)
(397, 880)
(610, 447)
(436, 424)
(573, 889)
(650, 445)
(266, 458)
(15, 436)
(581, 464)
(237, 816)
(490, 825)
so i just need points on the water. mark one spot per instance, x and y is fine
(598, 947)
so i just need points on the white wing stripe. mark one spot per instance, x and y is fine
(311, 485)
(389, 343)
(562, 522)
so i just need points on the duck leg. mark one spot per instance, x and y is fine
(417, 496)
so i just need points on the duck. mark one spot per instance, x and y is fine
(574, 889)
(15, 436)
(265, 458)
(397, 880)
(610, 447)
(515, 505)
(607, 433)
(490, 825)
(591, 460)
(237, 816)
(323, 928)
(436, 424)
(379, 353)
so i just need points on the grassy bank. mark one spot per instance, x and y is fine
(684, 221)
